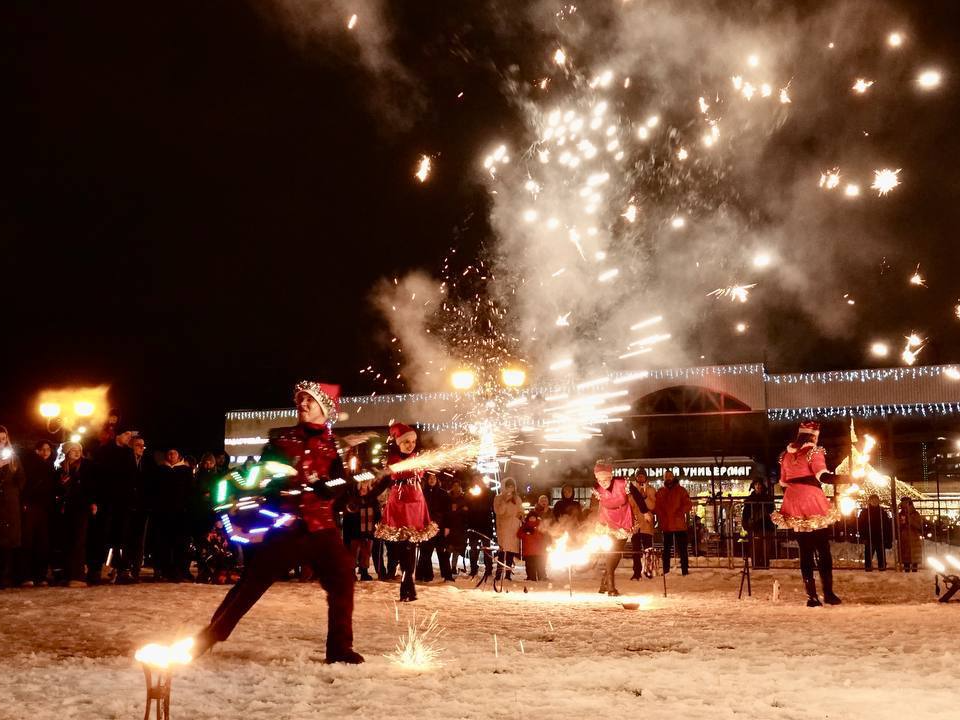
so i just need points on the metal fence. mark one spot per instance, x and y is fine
(716, 537)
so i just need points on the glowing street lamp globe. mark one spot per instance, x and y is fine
(83, 408)
(513, 377)
(49, 410)
(463, 379)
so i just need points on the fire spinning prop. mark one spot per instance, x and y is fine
(158, 662)
(417, 650)
(952, 581)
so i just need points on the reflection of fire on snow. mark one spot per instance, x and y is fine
(561, 557)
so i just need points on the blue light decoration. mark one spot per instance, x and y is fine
(248, 504)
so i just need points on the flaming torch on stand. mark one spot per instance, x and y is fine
(158, 662)
(560, 556)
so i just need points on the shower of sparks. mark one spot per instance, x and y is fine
(423, 169)
(784, 96)
(734, 292)
(862, 85)
(918, 279)
(630, 214)
(929, 79)
(563, 320)
(830, 179)
(682, 154)
(352, 22)
(912, 347)
(647, 323)
(885, 180)
(417, 650)
(560, 57)
(608, 275)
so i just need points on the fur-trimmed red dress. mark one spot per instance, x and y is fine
(805, 507)
(616, 515)
(405, 516)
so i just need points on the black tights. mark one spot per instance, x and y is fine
(815, 553)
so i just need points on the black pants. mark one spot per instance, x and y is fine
(69, 543)
(376, 554)
(425, 563)
(454, 553)
(33, 557)
(476, 546)
(678, 538)
(282, 550)
(869, 551)
(507, 558)
(97, 531)
(815, 553)
(638, 543)
(613, 557)
(761, 548)
(536, 567)
(171, 543)
(406, 554)
(129, 532)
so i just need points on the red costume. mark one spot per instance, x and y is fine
(802, 470)
(309, 538)
(406, 519)
(807, 511)
(616, 516)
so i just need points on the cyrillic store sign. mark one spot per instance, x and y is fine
(693, 472)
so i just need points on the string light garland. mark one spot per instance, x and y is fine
(873, 375)
(865, 411)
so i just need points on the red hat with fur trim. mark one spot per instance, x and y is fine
(328, 396)
(398, 430)
(809, 427)
(603, 466)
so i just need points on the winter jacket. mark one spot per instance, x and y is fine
(911, 536)
(438, 503)
(533, 541)
(456, 521)
(12, 481)
(567, 507)
(509, 513)
(645, 498)
(38, 491)
(615, 515)
(360, 517)
(875, 527)
(673, 504)
(756, 512)
(73, 489)
(172, 490)
(480, 515)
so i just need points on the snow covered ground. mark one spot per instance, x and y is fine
(888, 652)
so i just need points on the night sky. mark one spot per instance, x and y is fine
(196, 203)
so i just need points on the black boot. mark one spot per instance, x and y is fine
(408, 590)
(826, 577)
(810, 585)
(603, 583)
(612, 586)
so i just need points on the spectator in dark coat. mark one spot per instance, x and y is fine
(170, 518)
(673, 504)
(12, 481)
(758, 524)
(200, 506)
(360, 517)
(73, 507)
(875, 527)
(438, 505)
(115, 475)
(130, 518)
(37, 504)
(480, 519)
(567, 506)
(911, 535)
(456, 527)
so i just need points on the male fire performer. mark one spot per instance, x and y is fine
(807, 511)
(310, 538)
